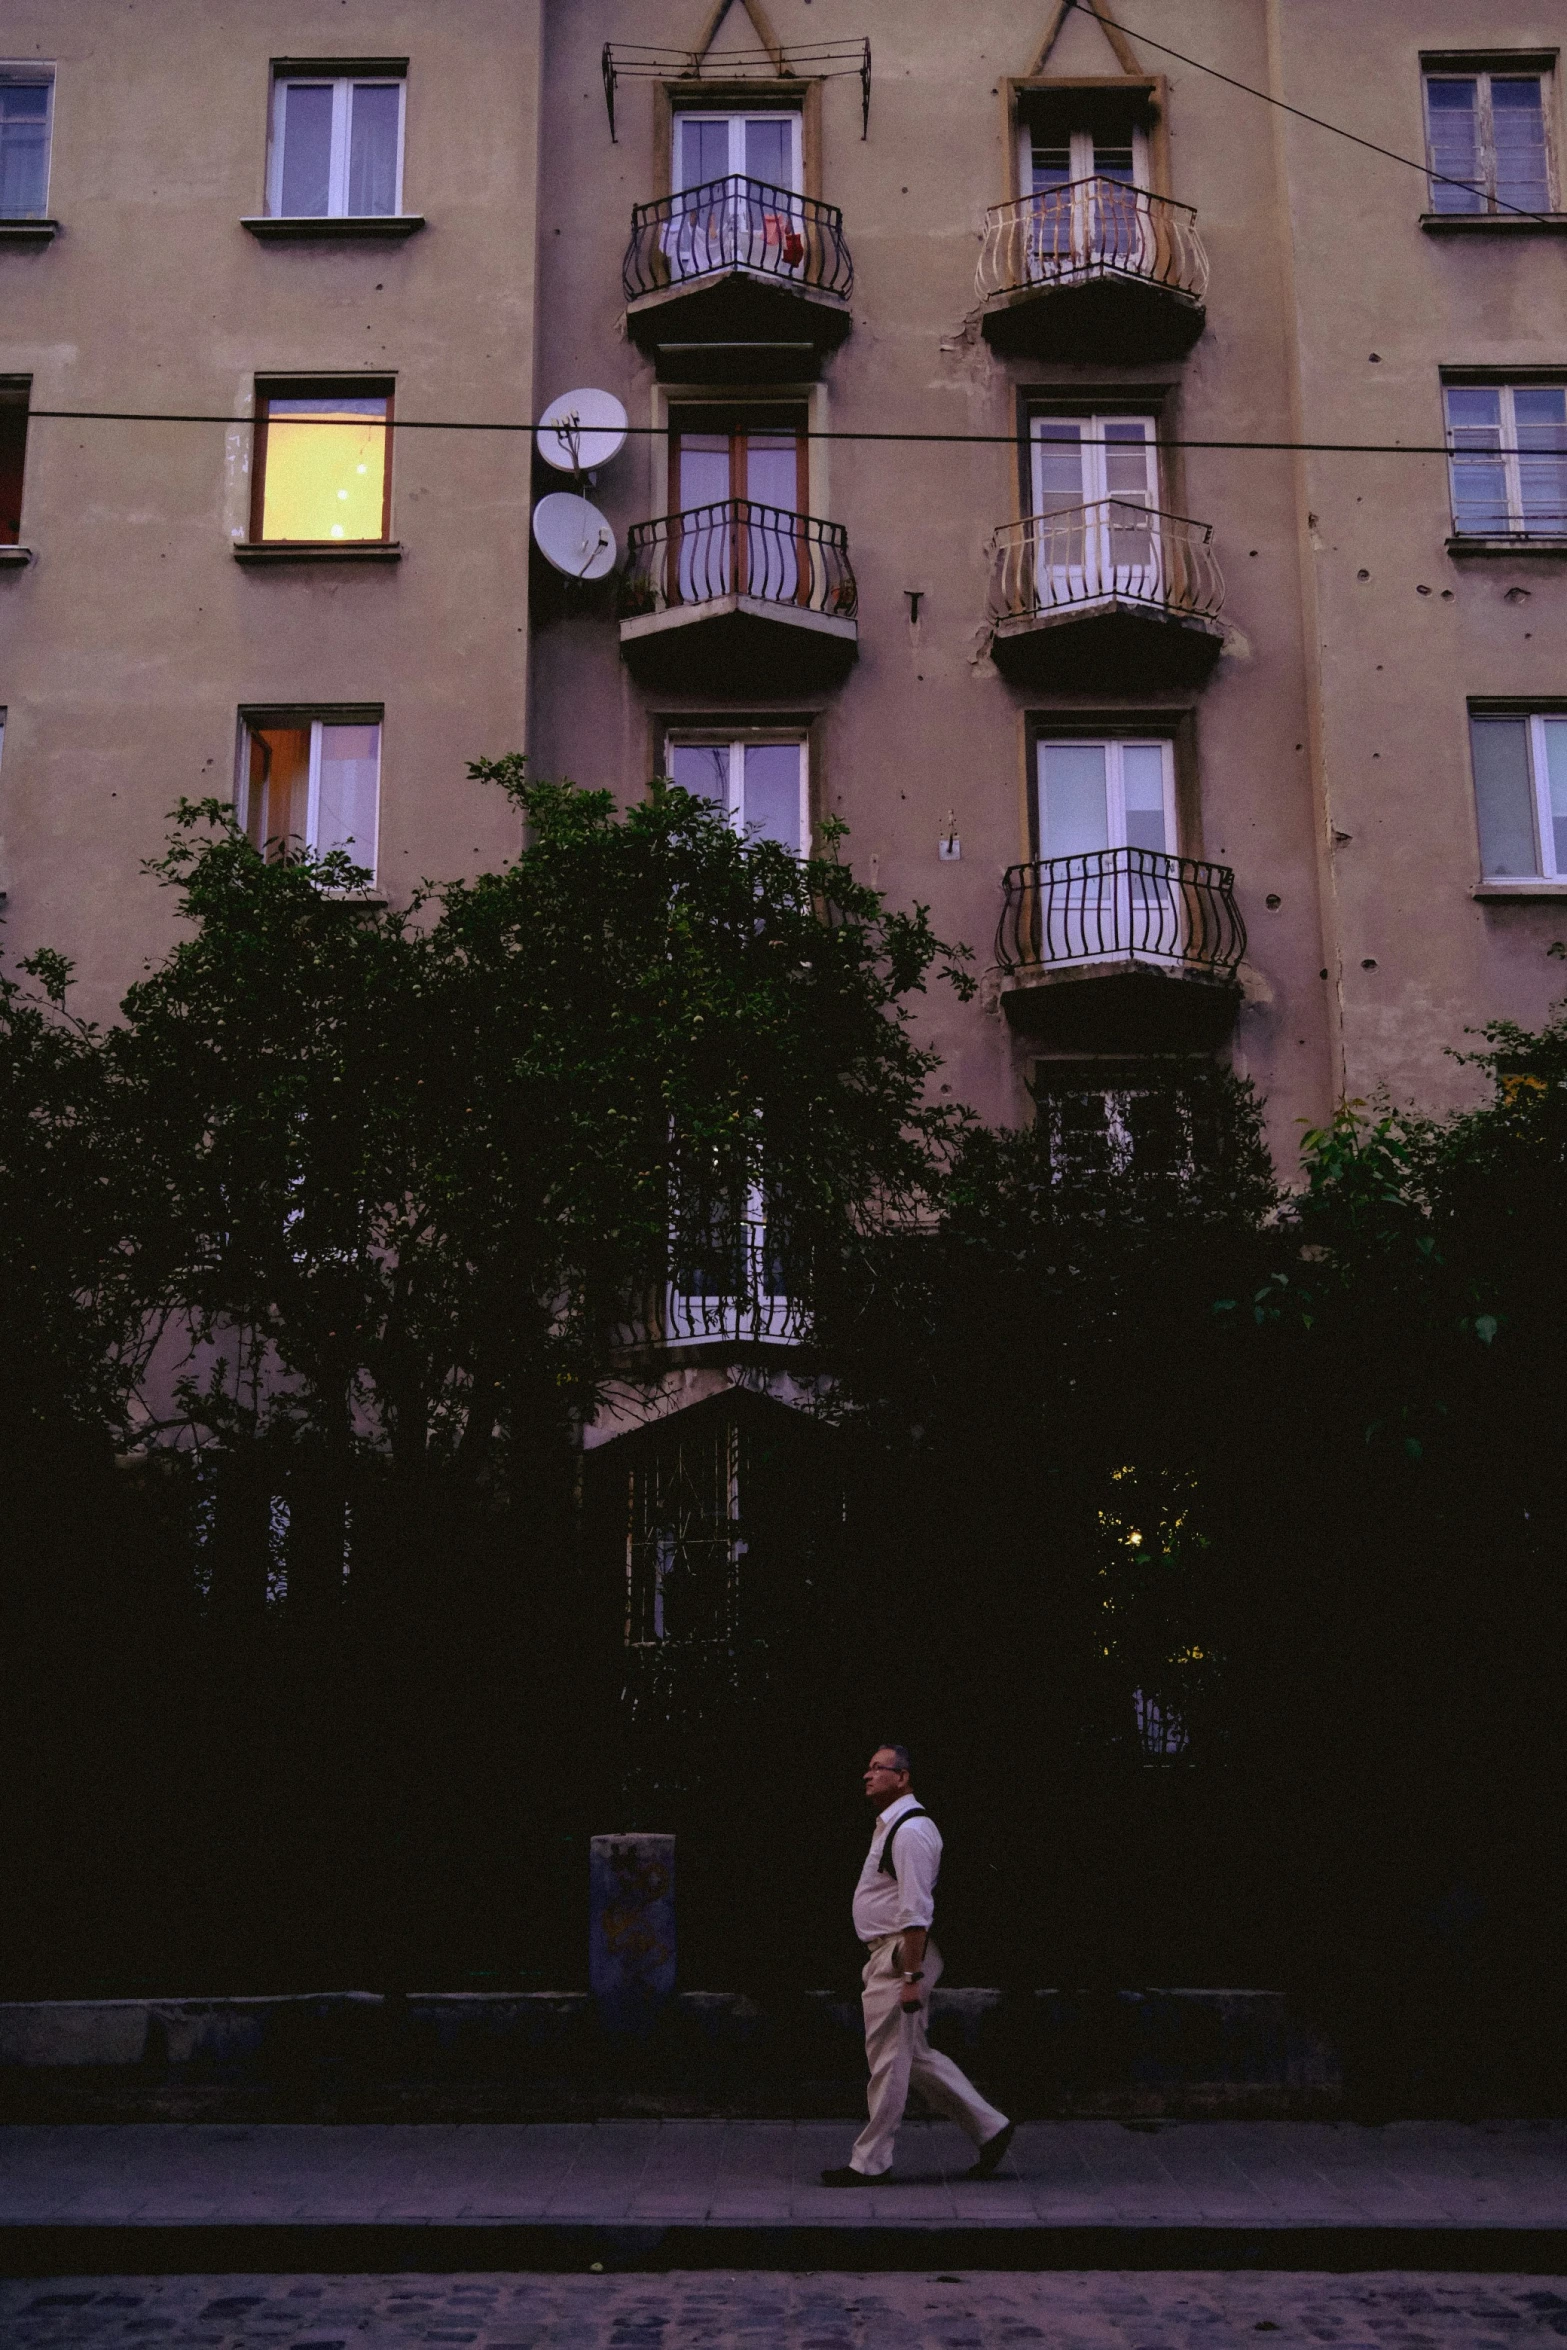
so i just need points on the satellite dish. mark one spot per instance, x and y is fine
(581, 431)
(574, 536)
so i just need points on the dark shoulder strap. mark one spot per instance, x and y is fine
(918, 1813)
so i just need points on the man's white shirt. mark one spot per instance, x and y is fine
(889, 1905)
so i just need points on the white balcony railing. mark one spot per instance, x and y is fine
(1093, 228)
(1114, 550)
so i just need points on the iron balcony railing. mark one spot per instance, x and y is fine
(1112, 904)
(1115, 549)
(736, 547)
(1093, 228)
(737, 223)
(731, 1281)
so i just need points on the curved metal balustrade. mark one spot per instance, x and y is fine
(1114, 551)
(1094, 228)
(736, 1285)
(738, 548)
(1106, 905)
(737, 223)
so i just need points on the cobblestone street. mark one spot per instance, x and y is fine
(760, 2311)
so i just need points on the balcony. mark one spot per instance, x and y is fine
(736, 281)
(1096, 270)
(729, 1285)
(1114, 594)
(737, 598)
(1121, 950)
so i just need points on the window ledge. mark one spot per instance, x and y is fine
(1554, 887)
(15, 558)
(292, 228)
(1541, 543)
(318, 551)
(1511, 224)
(28, 232)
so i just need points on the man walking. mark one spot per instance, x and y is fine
(893, 1910)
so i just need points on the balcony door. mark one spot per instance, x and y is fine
(736, 194)
(1096, 490)
(739, 492)
(1106, 813)
(1087, 202)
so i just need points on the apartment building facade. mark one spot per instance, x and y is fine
(1112, 457)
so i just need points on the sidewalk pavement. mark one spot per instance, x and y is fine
(683, 2193)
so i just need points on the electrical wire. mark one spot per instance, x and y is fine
(982, 440)
(1319, 122)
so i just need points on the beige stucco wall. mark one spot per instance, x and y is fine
(924, 724)
(133, 639)
(1407, 633)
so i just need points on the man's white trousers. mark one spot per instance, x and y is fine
(899, 2053)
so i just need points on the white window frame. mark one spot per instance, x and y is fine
(1076, 901)
(30, 72)
(1080, 153)
(708, 739)
(1517, 523)
(342, 87)
(1119, 1143)
(1093, 562)
(737, 118)
(1545, 865)
(317, 721)
(1485, 133)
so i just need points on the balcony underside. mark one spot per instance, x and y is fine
(736, 325)
(739, 645)
(1124, 646)
(1103, 316)
(1129, 1005)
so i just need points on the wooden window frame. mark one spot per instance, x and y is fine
(315, 716)
(1484, 66)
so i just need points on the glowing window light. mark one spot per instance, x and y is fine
(324, 456)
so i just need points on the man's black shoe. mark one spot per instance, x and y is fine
(843, 2176)
(991, 2152)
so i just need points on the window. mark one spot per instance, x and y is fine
(337, 145)
(1520, 772)
(1486, 142)
(722, 547)
(1509, 462)
(735, 205)
(1106, 830)
(761, 146)
(309, 782)
(760, 785)
(684, 1545)
(1096, 487)
(26, 105)
(1101, 1119)
(13, 451)
(321, 465)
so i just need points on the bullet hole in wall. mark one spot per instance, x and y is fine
(1516, 595)
(1273, 901)
(1376, 358)
(1368, 962)
(1254, 551)
(1447, 595)
(1322, 974)
(1422, 591)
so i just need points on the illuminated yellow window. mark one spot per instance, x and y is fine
(322, 466)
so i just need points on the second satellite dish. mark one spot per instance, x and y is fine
(574, 536)
(581, 431)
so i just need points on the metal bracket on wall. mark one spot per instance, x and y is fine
(823, 61)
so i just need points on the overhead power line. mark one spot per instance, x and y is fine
(1318, 122)
(982, 440)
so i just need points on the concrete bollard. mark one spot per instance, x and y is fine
(631, 1929)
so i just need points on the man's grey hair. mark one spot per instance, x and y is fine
(899, 1754)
